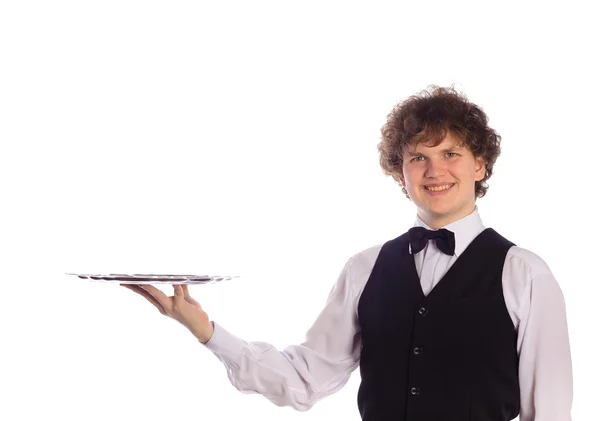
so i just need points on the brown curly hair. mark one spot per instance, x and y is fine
(427, 117)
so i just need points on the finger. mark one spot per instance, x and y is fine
(188, 297)
(157, 294)
(147, 296)
(178, 291)
(178, 298)
(138, 290)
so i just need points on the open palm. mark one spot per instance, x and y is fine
(181, 307)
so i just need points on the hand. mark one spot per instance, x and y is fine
(181, 307)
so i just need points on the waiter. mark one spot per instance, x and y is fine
(448, 322)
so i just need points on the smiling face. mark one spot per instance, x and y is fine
(440, 180)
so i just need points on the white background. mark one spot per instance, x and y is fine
(239, 138)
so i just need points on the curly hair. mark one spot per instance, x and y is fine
(427, 117)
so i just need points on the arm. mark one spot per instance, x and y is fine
(299, 375)
(545, 370)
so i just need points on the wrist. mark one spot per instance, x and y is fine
(204, 335)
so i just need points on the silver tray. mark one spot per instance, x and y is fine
(121, 278)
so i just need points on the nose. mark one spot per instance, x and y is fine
(435, 168)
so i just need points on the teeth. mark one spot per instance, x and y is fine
(439, 188)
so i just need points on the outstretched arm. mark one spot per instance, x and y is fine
(297, 376)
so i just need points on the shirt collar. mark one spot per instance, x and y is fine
(465, 229)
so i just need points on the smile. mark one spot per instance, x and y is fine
(438, 188)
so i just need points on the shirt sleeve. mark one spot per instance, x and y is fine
(545, 368)
(299, 375)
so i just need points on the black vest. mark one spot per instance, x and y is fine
(450, 356)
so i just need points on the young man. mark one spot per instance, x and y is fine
(450, 321)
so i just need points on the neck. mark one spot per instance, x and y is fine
(437, 221)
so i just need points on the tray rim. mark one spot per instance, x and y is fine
(153, 278)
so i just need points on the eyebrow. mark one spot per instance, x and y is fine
(451, 149)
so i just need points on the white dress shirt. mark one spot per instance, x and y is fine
(300, 375)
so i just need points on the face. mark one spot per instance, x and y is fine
(440, 180)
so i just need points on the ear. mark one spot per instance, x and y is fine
(479, 168)
(401, 179)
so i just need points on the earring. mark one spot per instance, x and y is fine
(405, 192)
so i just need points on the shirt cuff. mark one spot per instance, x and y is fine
(225, 344)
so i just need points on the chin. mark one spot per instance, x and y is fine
(439, 209)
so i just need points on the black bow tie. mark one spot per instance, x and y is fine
(419, 236)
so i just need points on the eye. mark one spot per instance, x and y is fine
(453, 154)
(416, 158)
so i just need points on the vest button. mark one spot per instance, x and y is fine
(423, 311)
(418, 350)
(415, 391)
